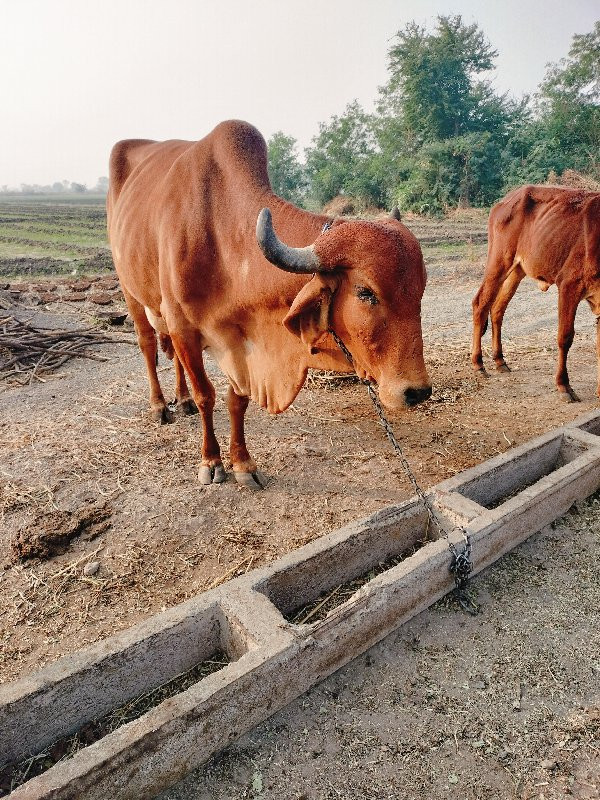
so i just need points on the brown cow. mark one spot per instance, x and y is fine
(182, 220)
(550, 234)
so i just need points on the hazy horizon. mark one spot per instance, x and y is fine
(79, 77)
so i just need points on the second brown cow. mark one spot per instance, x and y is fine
(550, 234)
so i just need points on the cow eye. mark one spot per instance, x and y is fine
(366, 295)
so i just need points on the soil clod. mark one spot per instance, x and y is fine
(49, 534)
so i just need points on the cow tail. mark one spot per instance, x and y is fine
(166, 345)
(485, 325)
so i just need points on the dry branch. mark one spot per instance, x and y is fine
(26, 350)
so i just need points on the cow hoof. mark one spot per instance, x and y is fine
(251, 480)
(503, 367)
(208, 474)
(481, 372)
(568, 396)
(162, 415)
(186, 407)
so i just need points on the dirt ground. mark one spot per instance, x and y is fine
(83, 437)
(502, 705)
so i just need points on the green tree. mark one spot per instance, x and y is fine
(463, 170)
(101, 185)
(344, 159)
(285, 171)
(562, 130)
(432, 84)
(577, 78)
(443, 127)
(570, 107)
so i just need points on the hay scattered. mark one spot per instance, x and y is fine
(26, 350)
(574, 180)
(341, 205)
(14, 496)
(325, 379)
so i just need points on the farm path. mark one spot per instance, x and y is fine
(83, 437)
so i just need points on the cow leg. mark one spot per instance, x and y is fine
(244, 467)
(482, 302)
(190, 357)
(505, 295)
(146, 337)
(569, 296)
(185, 404)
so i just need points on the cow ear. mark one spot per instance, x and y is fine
(308, 318)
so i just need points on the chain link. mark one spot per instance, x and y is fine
(461, 565)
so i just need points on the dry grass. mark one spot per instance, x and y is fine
(574, 180)
(325, 379)
(319, 608)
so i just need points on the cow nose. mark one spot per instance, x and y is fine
(413, 396)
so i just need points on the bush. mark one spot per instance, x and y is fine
(462, 171)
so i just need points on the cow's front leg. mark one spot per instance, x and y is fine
(482, 302)
(244, 466)
(189, 352)
(569, 296)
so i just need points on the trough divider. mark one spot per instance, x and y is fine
(589, 439)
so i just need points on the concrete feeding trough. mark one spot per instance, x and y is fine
(351, 558)
(513, 495)
(101, 679)
(365, 580)
(504, 479)
(388, 567)
(59, 699)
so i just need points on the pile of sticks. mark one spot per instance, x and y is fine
(25, 350)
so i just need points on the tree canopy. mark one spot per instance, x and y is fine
(343, 159)
(432, 84)
(442, 137)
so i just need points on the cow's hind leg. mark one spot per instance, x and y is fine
(185, 404)
(482, 303)
(569, 296)
(146, 337)
(188, 350)
(244, 467)
(505, 295)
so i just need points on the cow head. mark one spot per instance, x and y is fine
(368, 281)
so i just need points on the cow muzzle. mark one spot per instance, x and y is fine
(414, 396)
(397, 398)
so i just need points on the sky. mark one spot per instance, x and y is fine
(78, 75)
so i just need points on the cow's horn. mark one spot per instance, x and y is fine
(291, 259)
(395, 213)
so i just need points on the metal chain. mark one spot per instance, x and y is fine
(461, 565)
